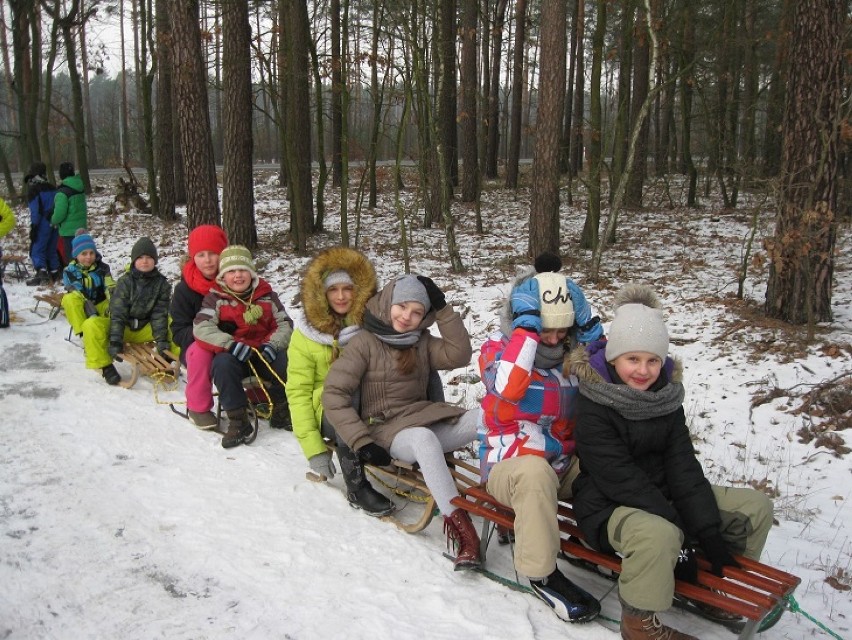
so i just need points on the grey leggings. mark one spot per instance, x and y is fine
(426, 446)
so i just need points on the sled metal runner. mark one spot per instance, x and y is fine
(756, 592)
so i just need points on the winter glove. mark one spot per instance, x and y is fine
(686, 568)
(374, 454)
(323, 465)
(90, 309)
(269, 353)
(526, 306)
(717, 553)
(240, 350)
(114, 349)
(162, 348)
(226, 326)
(436, 297)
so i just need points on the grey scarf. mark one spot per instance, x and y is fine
(547, 357)
(633, 404)
(388, 334)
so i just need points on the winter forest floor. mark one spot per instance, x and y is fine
(119, 519)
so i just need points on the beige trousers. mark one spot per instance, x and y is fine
(529, 485)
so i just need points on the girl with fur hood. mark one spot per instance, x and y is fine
(390, 362)
(335, 289)
(527, 450)
(641, 491)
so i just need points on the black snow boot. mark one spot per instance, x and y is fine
(280, 418)
(359, 491)
(110, 374)
(41, 277)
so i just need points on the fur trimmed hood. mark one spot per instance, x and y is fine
(317, 312)
(586, 362)
(505, 312)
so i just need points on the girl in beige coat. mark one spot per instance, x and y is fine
(390, 362)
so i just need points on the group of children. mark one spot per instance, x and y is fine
(567, 412)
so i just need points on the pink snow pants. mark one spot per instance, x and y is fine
(199, 384)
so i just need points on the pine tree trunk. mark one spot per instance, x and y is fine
(802, 250)
(191, 93)
(468, 120)
(517, 95)
(165, 109)
(589, 237)
(544, 205)
(237, 175)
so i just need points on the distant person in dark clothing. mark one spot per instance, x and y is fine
(43, 237)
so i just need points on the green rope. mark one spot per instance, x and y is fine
(795, 608)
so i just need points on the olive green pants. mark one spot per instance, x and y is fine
(649, 545)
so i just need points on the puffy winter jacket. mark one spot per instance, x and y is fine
(186, 303)
(645, 464)
(94, 281)
(315, 343)
(69, 206)
(220, 308)
(391, 401)
(7, 218)
(140, 298)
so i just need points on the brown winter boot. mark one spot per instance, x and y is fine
(637, 624)
(460, 530)
(238, 428)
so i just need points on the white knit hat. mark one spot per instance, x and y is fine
(338, 276)
(557, 308)
(638, 324)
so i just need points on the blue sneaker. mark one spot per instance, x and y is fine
(567, 600)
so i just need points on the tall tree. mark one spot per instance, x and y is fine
(238, 162)
(147, 70)
(193, 116)
(544, 205)
(493, 116)
(687, 84)
(468, 120)
(91, 147)
(802, 250)
(591, 227)
(297, 120)
(337, 89)
(641, 60)
(26, 52)
(777, 90)
(165, 109)
(517, 94)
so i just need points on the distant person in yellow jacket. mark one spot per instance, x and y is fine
(7, 223)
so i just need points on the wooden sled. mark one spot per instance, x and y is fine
(144, 360)
(52, 299)
(406, 481)
(14, 267)
(756, 592)
(255, 410)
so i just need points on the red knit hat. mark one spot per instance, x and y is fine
(207, 237)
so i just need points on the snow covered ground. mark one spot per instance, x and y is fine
(118, 519)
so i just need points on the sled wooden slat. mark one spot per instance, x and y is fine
(144, 360)
(753, 592)
(52, 299)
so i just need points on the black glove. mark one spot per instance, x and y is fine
(374, 454)
(226, 326)
(717, 553)
(686, 568)
(162, 347)
(240, 350)
(268, 352)
(90, 309)
(115, 349)
(436, 297)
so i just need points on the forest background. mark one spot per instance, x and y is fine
(581, 127)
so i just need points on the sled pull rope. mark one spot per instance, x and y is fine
(794, 607)
(265, 414)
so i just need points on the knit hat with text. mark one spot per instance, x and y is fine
(638, 324)
(557, 308)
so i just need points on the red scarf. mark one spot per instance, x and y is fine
(196, 280)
